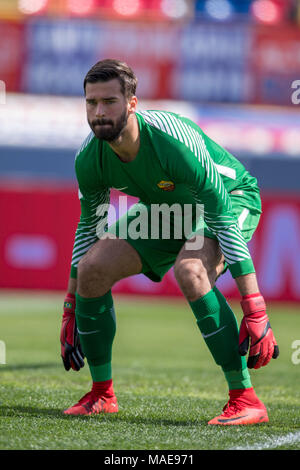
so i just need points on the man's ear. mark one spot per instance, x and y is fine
(132, 104)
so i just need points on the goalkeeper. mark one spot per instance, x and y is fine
(162, 158)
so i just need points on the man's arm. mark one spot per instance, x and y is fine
(195, 168)
(92, 224)
(72, 285)
(247, 284)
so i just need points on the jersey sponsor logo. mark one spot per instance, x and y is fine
(166, 185)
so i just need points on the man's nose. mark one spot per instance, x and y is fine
(100, 110)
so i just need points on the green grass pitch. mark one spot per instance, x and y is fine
(166, 382)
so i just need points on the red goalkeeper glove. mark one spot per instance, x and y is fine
(256, 326)
(71, 352)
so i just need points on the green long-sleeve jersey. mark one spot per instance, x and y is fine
(174, 151)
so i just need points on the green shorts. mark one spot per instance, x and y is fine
(158, 255)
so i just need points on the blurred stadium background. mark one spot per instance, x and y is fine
(232, 66)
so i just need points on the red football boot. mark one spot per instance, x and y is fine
(101, 399)
(243, 407)
(90, 404)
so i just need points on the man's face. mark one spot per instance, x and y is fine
(107, 109)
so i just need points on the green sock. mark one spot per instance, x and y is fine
(96, 324)
(219, 329)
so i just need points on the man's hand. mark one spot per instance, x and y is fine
(256, 326)
(71, 352)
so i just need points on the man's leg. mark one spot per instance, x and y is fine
(108, 261)
(196, 272)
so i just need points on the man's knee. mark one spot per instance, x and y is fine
(188, 271)
(89, 268)
(93, 275)
(194, 277)
(104, 264)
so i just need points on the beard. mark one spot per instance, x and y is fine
(105, 129)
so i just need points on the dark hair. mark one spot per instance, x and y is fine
(108, 69)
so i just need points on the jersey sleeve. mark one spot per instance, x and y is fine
(195, 168)
(92, 224)
(94, 203)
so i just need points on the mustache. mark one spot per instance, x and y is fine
(101, 122)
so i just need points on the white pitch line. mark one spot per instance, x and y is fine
(272, 443)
